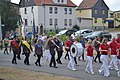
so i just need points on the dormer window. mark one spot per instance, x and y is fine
(95, 11)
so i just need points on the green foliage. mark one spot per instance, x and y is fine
(63, 38)
(9, 15)
(51, 33)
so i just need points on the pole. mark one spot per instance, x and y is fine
(0, 29)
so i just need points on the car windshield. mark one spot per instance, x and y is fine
(62, 32)
(95, 33)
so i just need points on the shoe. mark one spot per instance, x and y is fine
(36, 64)
(106, 75)
(117, 69)
(87, 71)
(69, 68)
(118, 73)
(95, 61)
(74, 69)
(39, 65)
(100, 72)
(50, 66)
(55, 67)
(100, 62)
(92, 73)
(110, 68)
(77, 64)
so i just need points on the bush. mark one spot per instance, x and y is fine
(63, 38)
(51, 33)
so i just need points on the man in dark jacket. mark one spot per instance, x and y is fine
(52, 47)
(27, 49)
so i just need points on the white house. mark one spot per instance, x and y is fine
(48, 14)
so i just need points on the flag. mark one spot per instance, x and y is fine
(23, 31)
(20, 26)
(33, 28)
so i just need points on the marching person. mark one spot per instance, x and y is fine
(59, 50)
(52, 47)
(113, 55)
(6, 42)
(82, 41)
(71, 64)
(19, 47)
(1, 44)
(118, 58)
(96, 44)
(118, 38)
(46, 48)
(38, 52)
(104, 49)
(89, 48)
(14, 46)
(27, 49)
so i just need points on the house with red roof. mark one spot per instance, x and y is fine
(48, 14)
(95, 11)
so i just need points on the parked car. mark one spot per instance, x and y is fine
(65, 32)
(100, 34)
(84, 32)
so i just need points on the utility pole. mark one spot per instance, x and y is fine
(0, 29)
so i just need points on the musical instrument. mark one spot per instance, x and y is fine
(76, 49)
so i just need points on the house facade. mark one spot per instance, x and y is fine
(97, 10)
(48, 14)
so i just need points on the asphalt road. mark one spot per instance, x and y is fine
(5, 60)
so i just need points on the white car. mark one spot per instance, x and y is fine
(84, 32)
(65, 32)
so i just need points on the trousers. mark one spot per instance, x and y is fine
(113, 62)
(104, 68)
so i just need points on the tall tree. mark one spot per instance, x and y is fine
(9, 15)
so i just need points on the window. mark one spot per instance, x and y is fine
(70, 22)
(51, 21)
(56, 22)
(70, 10)
(26, 22)
(103, 20)
(80, 11)
(58, 0)
(25, 11)
(95, 11)
(95, 20)
(31, 9)
(65, 9)
(56, 10)
(118, 15)
(62, 1)
(50, 10)
(65, 22)
(103, 12)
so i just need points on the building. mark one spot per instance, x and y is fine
(48, 14)
(94, 10)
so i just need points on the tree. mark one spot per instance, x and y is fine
(8, 16)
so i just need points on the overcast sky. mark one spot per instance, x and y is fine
(112, 4)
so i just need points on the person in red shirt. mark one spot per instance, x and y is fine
(118, 57)
(118, 38)
(113, 48)
(89, 48)
(68, 44)
(104, 49)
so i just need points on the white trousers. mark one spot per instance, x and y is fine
(119, 67)
(89, 66)
(71, 63)
(104, 68)
(113, 62)
(48, 55)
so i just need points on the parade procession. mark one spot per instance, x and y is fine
(60, 38)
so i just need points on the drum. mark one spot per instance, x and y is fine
(76, 49)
